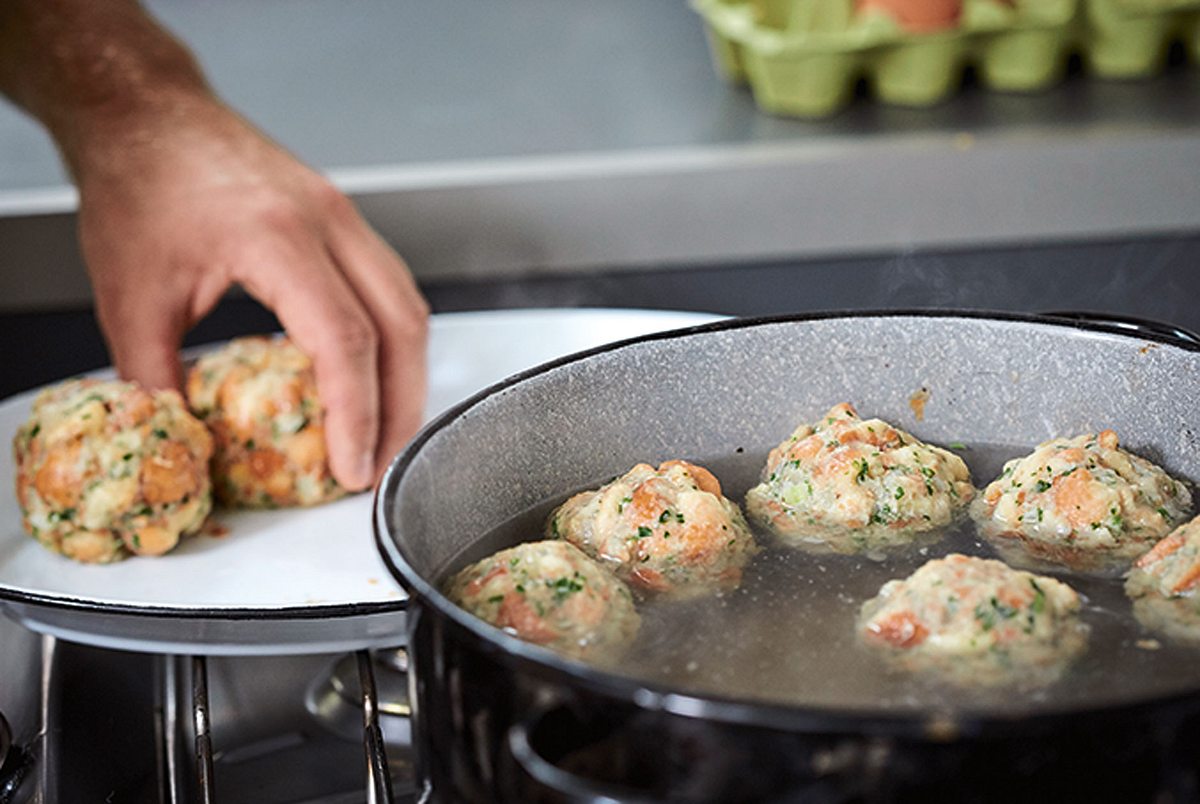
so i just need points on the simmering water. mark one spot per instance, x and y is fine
(787, 635)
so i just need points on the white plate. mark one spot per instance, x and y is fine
(290, 581)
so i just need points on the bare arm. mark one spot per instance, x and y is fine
(180, 198)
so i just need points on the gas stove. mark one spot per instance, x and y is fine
(90, 724)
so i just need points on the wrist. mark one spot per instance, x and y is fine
(99, 130)
(99, 140)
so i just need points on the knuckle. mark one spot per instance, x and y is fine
(355, 336)
(405, 318)
(272, 208)
(333, 201)
(281, 214)
(410, 326)
(422, 311)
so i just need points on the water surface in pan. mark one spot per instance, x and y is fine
(787, 635)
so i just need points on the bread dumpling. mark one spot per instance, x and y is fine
(258, 395)
(667, 531)
(844, 484)
(106, 469)
(1080, 503)
(553, 595)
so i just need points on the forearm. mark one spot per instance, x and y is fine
(99, 74)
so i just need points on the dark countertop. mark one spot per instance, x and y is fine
(1149, 278)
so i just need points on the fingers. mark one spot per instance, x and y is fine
(143, 331)
(148, 350)
(295, 277)
(387, 290)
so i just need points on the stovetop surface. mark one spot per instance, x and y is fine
(120, 730)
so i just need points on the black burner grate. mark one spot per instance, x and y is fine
(378, 788)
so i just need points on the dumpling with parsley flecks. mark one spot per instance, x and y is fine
(844, 484)
(105, 469)
(258, 395)
(1164, 585)
(667, 531)
(1080, 503)
(553, 595)
(975, 622)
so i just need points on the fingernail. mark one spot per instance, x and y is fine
(364, 472)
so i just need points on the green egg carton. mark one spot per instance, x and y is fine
(804, 57)
(1130, 38)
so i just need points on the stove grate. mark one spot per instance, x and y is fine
(379, 782)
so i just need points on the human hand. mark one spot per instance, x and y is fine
(179, 204)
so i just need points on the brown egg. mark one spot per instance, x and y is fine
(917, 15)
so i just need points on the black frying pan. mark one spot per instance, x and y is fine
(498, 718)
